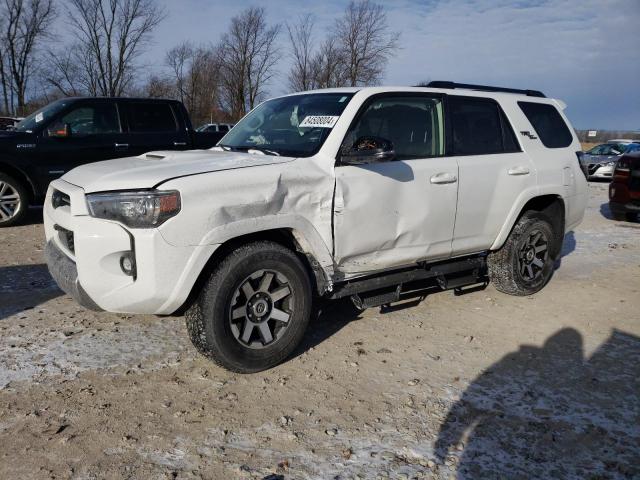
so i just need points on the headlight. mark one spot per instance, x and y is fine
(610, 164)
(146, 209)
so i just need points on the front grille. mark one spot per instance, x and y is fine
(60, 199)
(592, 167)
(66, 238)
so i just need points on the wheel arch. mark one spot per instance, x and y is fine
(551, 205)
(290, 238)
(21, 177)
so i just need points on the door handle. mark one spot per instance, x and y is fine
(179, 144)
(440, 178)
(122, 146)
(519, 170)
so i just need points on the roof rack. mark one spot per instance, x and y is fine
(484, 88)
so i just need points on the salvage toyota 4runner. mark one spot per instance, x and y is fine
(358, 192)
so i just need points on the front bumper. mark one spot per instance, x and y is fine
(84, 256)
(600, 172)
(64, 272)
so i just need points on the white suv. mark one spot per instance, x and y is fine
(354, 192)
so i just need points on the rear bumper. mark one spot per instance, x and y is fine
(64, 272)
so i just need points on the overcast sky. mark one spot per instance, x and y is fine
(585, 52)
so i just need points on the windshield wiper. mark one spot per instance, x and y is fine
(264, 150)
(247, 149)
(226, 148)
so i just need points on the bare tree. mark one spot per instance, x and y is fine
(111, 34)
(158, 87)
(196, 75)
(365, 41)
(302, 75)
(247, 56)
(4, 78)
(328, 66)
(26, 24)
(178, 60)
(4, 83)
(63, 73)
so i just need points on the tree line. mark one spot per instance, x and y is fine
(219, 81)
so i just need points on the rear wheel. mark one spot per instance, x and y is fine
(524, 264)
(14, 201)
(254, 309)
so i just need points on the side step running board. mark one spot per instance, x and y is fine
(449, 274)
(363, 302)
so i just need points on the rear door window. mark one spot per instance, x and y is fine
(151, 118)
(548, 124)
(480, 127)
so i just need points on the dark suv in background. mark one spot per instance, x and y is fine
(74, 131)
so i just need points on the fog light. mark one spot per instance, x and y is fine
(128, 264)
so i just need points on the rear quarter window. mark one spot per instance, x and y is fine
(151, 118)
(548, 124)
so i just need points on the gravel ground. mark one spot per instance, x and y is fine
(476, 386)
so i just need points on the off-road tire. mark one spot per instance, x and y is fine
(504, 267)
(208, 321)
(22, 192)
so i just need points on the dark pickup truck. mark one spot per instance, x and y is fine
(74, 131)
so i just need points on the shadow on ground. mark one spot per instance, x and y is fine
(329, 319)
(25, 286)
(568, 246)
(332, 315)
(605, 211)
(549, 412)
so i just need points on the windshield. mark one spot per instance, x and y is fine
(296, 125)
(40, 116)
(607, 149)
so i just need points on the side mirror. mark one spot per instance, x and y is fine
(368, 150)
(57, 131)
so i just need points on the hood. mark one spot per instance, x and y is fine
(154, 168)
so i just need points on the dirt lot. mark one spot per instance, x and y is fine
(477, 386)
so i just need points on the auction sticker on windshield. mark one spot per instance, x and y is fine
(319, 121)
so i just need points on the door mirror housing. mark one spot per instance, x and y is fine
(58, 131)
(368, 150)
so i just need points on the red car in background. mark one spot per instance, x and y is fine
(624, 190)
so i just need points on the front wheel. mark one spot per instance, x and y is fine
(254, 309)
(524, 264)
(14, 201)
